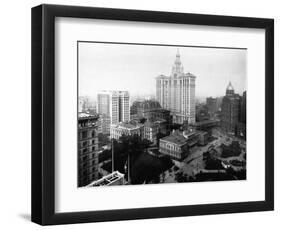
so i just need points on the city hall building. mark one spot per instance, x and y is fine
(178, 144)
(177, 93)
(175, 146)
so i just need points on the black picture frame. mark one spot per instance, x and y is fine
(43, 114)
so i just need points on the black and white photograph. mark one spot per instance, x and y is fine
(148, 113)
(155, 114)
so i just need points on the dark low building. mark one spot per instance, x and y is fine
(212, 105)
(206, 125)
(202, 113)
(243, 108)
(150, 110)
(242, 123)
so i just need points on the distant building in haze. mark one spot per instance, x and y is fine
(80, 105)
(113, 107)
(86, 104)
(202, 113)
(177, 93)
(212, 105)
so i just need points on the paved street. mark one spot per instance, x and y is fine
(194, 161)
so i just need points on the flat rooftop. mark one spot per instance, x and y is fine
(175, 138)
(126, 125)
(83, 115)
(207, 122)
(107, 180)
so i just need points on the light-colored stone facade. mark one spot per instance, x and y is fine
(175, 146)
(113, 107)
(126, 129)
(177, 93)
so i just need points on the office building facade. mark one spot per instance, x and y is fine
(113, 107)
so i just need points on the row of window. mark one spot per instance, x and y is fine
(87, 134)
(170, 146)
(87, 164)
(86, 143)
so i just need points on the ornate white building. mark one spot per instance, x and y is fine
(177, 93)
(127, 129)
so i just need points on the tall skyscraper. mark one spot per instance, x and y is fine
(230, 110)
(113, 107)
(177, 93)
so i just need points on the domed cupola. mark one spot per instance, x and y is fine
(229, 90)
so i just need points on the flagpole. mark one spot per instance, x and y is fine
(112, 152)
(129, 179)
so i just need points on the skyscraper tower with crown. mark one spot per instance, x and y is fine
(177, 93)
(229, 90)
(230, 110)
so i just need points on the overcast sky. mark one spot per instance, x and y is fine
(134, 68)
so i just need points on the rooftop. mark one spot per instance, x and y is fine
(206, 122)
(149, 124)
(175, 138)
(107, 180)
(149, 104)
(159, 120)
(189, 134)
(114, 92)
(127, 125)
(181, 76)
(82, 115)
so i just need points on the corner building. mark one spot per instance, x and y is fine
(177, 93)
(87, 149)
